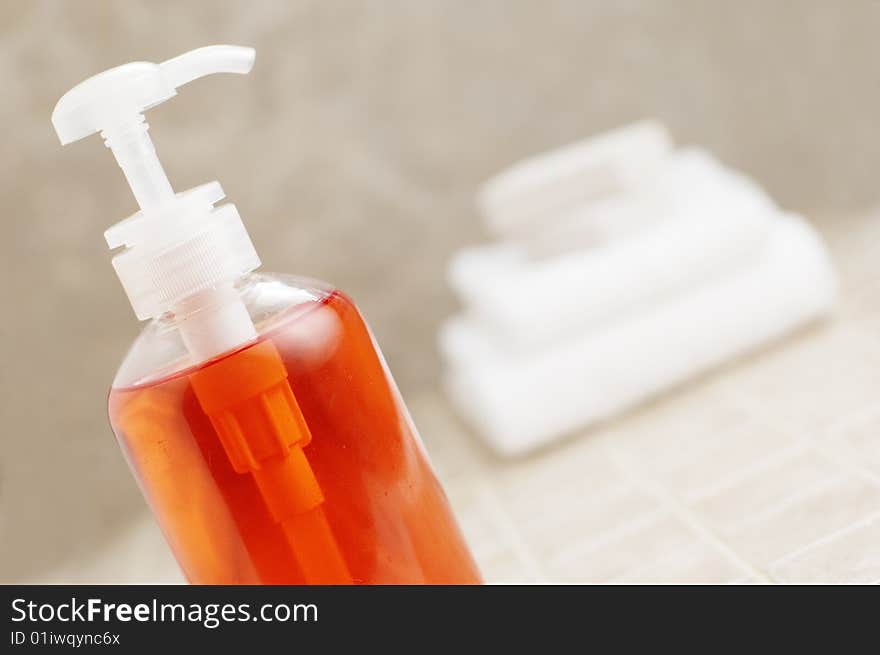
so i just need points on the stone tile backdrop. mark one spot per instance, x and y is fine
(353, 152)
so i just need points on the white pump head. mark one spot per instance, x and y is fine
(177, 245)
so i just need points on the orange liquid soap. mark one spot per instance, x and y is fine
(344, 495)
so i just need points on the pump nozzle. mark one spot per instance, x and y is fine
(208, 60)
(119, 95)
(113, 103)
(177, 244)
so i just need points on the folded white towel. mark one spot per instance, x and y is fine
(713, 220)
(527, 197)
(519, 403)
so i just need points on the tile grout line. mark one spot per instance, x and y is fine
(678, 509)
(813, 444)
(609, 494)
(845, 462)
(508, 530)
(854, 419)
(575, 552)
(788, 501)
(734, 478)
(819, 446)
(827, 538)
(634, 574)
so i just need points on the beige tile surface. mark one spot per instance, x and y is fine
(849, 555)
(765, 471)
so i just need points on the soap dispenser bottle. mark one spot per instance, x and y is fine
(255, 410)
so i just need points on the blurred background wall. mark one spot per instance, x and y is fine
(353, 152)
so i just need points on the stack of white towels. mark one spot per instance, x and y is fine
(621, 267)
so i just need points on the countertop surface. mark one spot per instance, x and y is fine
(767, 470)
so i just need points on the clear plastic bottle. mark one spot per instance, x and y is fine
(385, 510)
(256, 411)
